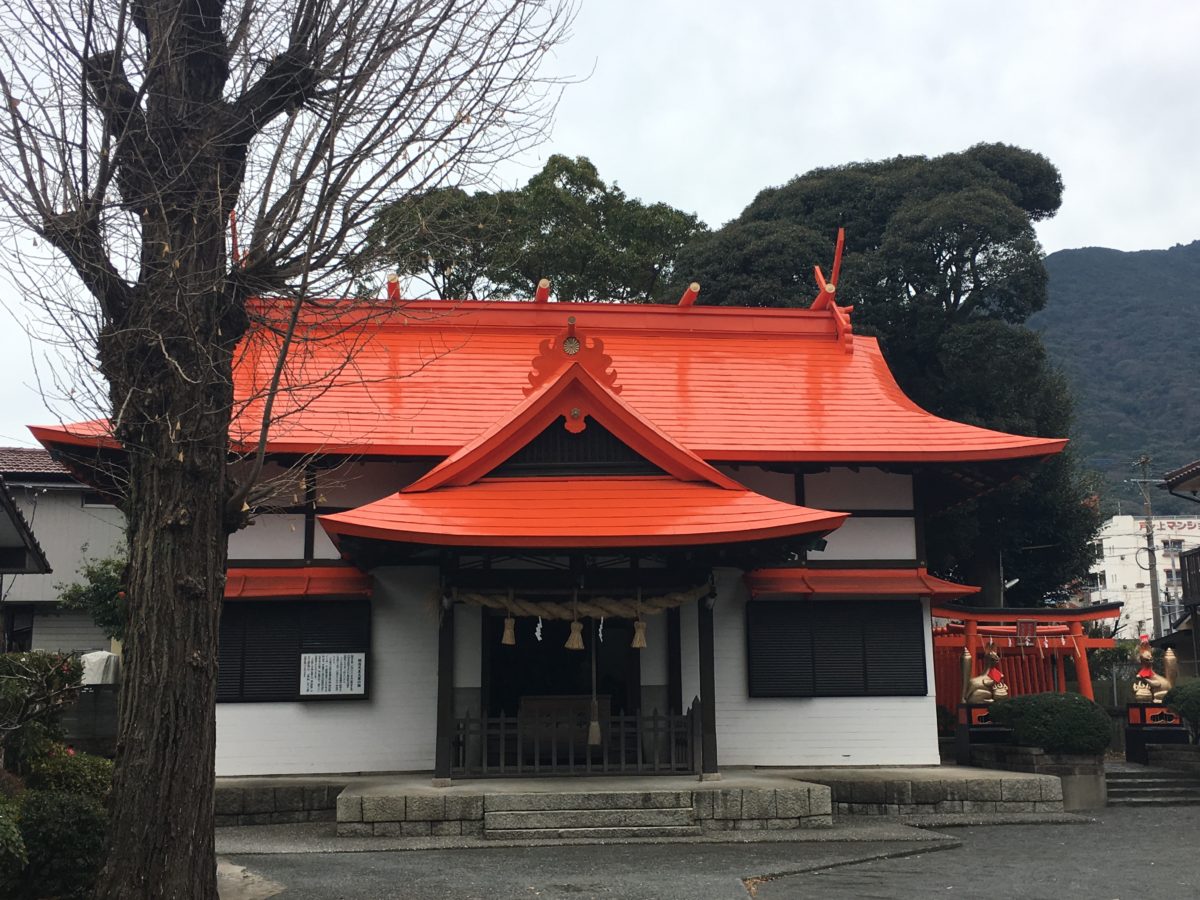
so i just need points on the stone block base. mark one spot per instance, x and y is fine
(261, 802)
(584, 814)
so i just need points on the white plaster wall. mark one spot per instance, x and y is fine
(776, 485)
(358, 483)
(392, 731)
(468, 637)
(802, 731)
(654, 656)
(870, 538)
(269, 536)
(66, 632)
(844, 489)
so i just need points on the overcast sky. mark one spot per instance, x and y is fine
(702, 104)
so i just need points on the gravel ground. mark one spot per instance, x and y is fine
(1125, 854)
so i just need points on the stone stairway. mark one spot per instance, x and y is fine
(1146, 786)
(591, 816)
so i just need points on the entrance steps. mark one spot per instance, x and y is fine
(1145, 786)
(592, 816)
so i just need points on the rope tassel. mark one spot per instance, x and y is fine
(510, 626)
(639, 627)
(639, 635)
(575, 639)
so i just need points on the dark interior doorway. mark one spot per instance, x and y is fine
(546, 668)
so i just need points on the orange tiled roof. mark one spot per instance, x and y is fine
(262, 582)
(594, 511)
(856, 582)
(729, 384)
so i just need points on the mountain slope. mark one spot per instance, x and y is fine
(1125, 327)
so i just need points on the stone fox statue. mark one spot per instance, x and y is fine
(986, 687)
(1148, 685)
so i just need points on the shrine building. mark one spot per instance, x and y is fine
(543, 538)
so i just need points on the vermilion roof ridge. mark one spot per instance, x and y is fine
(520, 314)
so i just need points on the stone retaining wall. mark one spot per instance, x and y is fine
(1082, 776)
(1183, 757)
(277, 804)
(762, 809)
(955, 795)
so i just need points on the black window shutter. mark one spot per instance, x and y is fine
(894, 638)
(271, 660)
(343, 627)
(838, 661)
(229, 656)
(835, 648)
(779, 649)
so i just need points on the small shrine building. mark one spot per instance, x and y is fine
(535, 537)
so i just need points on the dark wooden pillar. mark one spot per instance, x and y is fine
(708, 690)
(674, 663)
(445, 697)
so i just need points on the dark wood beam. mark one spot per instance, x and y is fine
(708, 690)
(674, 662)
(445, 697)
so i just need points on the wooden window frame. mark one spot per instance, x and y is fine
(299, 610)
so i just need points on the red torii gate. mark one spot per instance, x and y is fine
(1034, 645)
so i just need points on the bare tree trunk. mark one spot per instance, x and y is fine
(161, 841)
(306, 115)
(178, 339)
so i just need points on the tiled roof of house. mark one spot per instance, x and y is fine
(28, 461)
(1185, 478)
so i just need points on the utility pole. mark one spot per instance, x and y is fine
(1143, 484)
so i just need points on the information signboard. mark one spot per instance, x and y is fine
(333, 674)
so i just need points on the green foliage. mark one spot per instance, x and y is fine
(100, 592)
(64, 836)
(1116, 665)
(11, 785)
(12, 847)
(590, 239)
(34, 689)
(72, 773)
(1185, 699)
(1058, 723)
(943, 266)
(1122, 327)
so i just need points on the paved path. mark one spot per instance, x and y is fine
(1127, 854)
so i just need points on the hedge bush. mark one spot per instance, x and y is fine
(1058, 723)
(12, 847)
(1185, 700)
(80, 773)
(35, 688)
(64, 837)
(10, 785)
